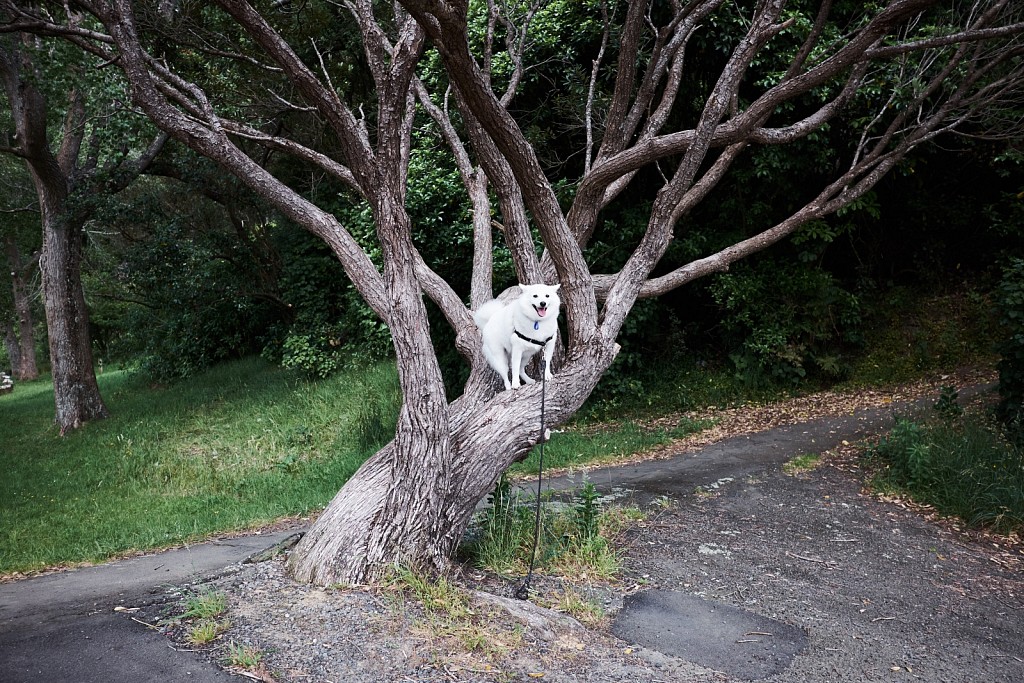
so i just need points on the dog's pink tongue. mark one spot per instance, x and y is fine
(542, 312)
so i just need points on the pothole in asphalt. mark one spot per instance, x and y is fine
(717, 636)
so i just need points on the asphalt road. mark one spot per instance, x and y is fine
(63, 627)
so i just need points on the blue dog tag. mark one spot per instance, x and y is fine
(536, 324)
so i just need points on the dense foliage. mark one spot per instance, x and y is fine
(1010, 301)
(191, 269)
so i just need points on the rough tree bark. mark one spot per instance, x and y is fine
(411, 502)
(76, 394)
(11, 344)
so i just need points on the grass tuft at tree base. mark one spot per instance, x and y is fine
(576, 538)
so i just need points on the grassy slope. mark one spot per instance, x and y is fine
(243, 444)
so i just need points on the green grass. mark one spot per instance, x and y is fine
(579, 446)
(911, 334)
(963, 466)
(802, 463)
(206, 631)
(205, 608)
(243, 656)
(577, 539)
(241, 445)
(205, 605)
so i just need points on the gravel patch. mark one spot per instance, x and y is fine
(364, 635)
(881, 592)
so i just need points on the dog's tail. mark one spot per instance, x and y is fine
(486, 311)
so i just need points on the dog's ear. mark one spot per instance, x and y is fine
(558, 286)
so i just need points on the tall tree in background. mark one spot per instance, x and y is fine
(61, 169)
(924, 68)
(20, 259)
(19, 332)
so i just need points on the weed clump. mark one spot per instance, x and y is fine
(202, 609)
(961, 463)
(575, 537)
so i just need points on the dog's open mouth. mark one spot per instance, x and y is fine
(541, 311)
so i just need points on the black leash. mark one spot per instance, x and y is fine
(522, 591)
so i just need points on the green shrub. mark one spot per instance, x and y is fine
(907, 451)
(786, 322)
(315, 355)
(947, 406)
(195, 308)
(963, 466)
(587, 509)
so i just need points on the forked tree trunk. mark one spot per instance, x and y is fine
(76, 393)
(378, 519)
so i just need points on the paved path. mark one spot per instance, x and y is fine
(62, 628)
(735, 457)
(706, 631)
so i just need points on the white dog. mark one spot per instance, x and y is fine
(513, 332)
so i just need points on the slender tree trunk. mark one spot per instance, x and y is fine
(24, 367)
(27, 367)
(76, 393)
(13, 349)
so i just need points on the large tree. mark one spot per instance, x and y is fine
(68, 169)
(19, 329)
(918, 67)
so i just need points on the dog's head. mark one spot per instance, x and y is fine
(540, 301)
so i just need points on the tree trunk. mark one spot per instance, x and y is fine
(379, 519)
(76, 393)
(23, 367)
(11, 344)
